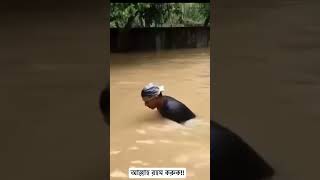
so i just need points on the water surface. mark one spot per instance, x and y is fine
(140, 137)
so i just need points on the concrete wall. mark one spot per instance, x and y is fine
(141, 39)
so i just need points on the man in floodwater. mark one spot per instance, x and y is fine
(231, 157)
(167, 106)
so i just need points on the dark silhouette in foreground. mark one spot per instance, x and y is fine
(231, 158)
(104, 103)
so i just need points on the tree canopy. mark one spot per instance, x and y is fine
(130, 15)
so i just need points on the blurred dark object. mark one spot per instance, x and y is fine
(104, 103)
(34, 6)
(232, 158)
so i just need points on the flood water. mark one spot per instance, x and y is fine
(51, 76)
(266, 75)
(139, 136)
(267, 80)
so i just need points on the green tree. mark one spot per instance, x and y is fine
(128, 15)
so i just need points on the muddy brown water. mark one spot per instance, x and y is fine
(266, 89)
(140, 137)
(266, 67)
(52, 69)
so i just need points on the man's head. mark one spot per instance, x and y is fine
(151, 95)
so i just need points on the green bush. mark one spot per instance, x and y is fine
(130, 15)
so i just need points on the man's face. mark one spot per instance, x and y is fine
(152, 104)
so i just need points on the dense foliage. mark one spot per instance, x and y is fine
(129, 15)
